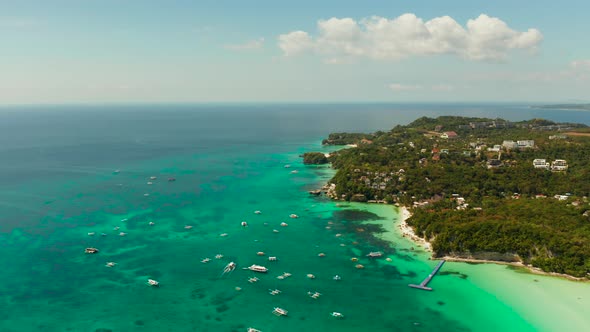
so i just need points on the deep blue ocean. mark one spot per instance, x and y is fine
(70, 173)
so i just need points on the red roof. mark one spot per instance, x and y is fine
(451, 133)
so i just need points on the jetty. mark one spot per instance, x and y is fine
(423, 285)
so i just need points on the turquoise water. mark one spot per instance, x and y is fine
(59, 185)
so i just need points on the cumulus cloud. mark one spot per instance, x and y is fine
(249, 45)
(484, 38)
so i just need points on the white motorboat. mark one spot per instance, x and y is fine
(375, 254)
(287, 166)
(274, 292)
(244, 224)
(337, 314)
(253, 280)
(229, 267)
(286, 274)
(293, 216)
(294, 172)
(188, 227)
(91, 250)
(272, 259)
(223, 234)
(280, 312)
(153, 282)
(110, 264)
(257, 268)
(314, 295)
(257, 212)
(311, 276)
(91, 233)
(205, 260)
(218, 256)
(152, 223)
(337, 277)
(284, 224)
(153, 177)
(251, 329)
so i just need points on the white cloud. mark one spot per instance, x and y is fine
(249, 45)
(398, 87)
(443, 88)
(484, 38)
(580, 64)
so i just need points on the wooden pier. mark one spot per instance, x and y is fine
(424, 283)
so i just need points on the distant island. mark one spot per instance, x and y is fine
(585, 107)
(483, 189)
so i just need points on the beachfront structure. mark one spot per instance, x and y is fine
(541, 163)
(559, 165)
(449, 135)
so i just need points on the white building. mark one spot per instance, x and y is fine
(559, 165)
(541, 163)
(525, 144)
(509, 145)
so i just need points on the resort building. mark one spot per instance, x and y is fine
(449, 135)
(541, 163)
(559, 165)
(525, 144)
(508, 145)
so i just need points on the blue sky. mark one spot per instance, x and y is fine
(284, 51)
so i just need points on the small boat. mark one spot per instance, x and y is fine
(205, 260)
(122, 234)
(337, 315)
(117, 171)
(244, 224)
(251, 329)
(91, 250)
(103, 234)
(316, 192)
(146, 194)
(293, 216)
(260, 253)
(188, 227)
(359, 266)
(124, 220)
(257, 212)
(294, 172)
(275, 231)
(375, 254)
(91, 233)
(171, 179)
(284, 224)
(223, 234)
(153, 177)
(272, 258)
(218, 256)
(389, 259)
(274, 292)
(257, 268)
(281, 277)
(110, 264)
(338, 235)
(150, 183)
(116, 228)
(314, 295)
(152, 223)
(337, 277)
(280, 312)
(311, 276)
(321, 254)
(354, 259)
(253, 280)
(286, 274)
(153, 282)
(229, 267)
(287, 166)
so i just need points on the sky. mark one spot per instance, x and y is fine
(148, 51)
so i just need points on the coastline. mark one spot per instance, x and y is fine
(408, 232)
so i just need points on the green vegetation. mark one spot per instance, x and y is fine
(473, 199)
(315, 158)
